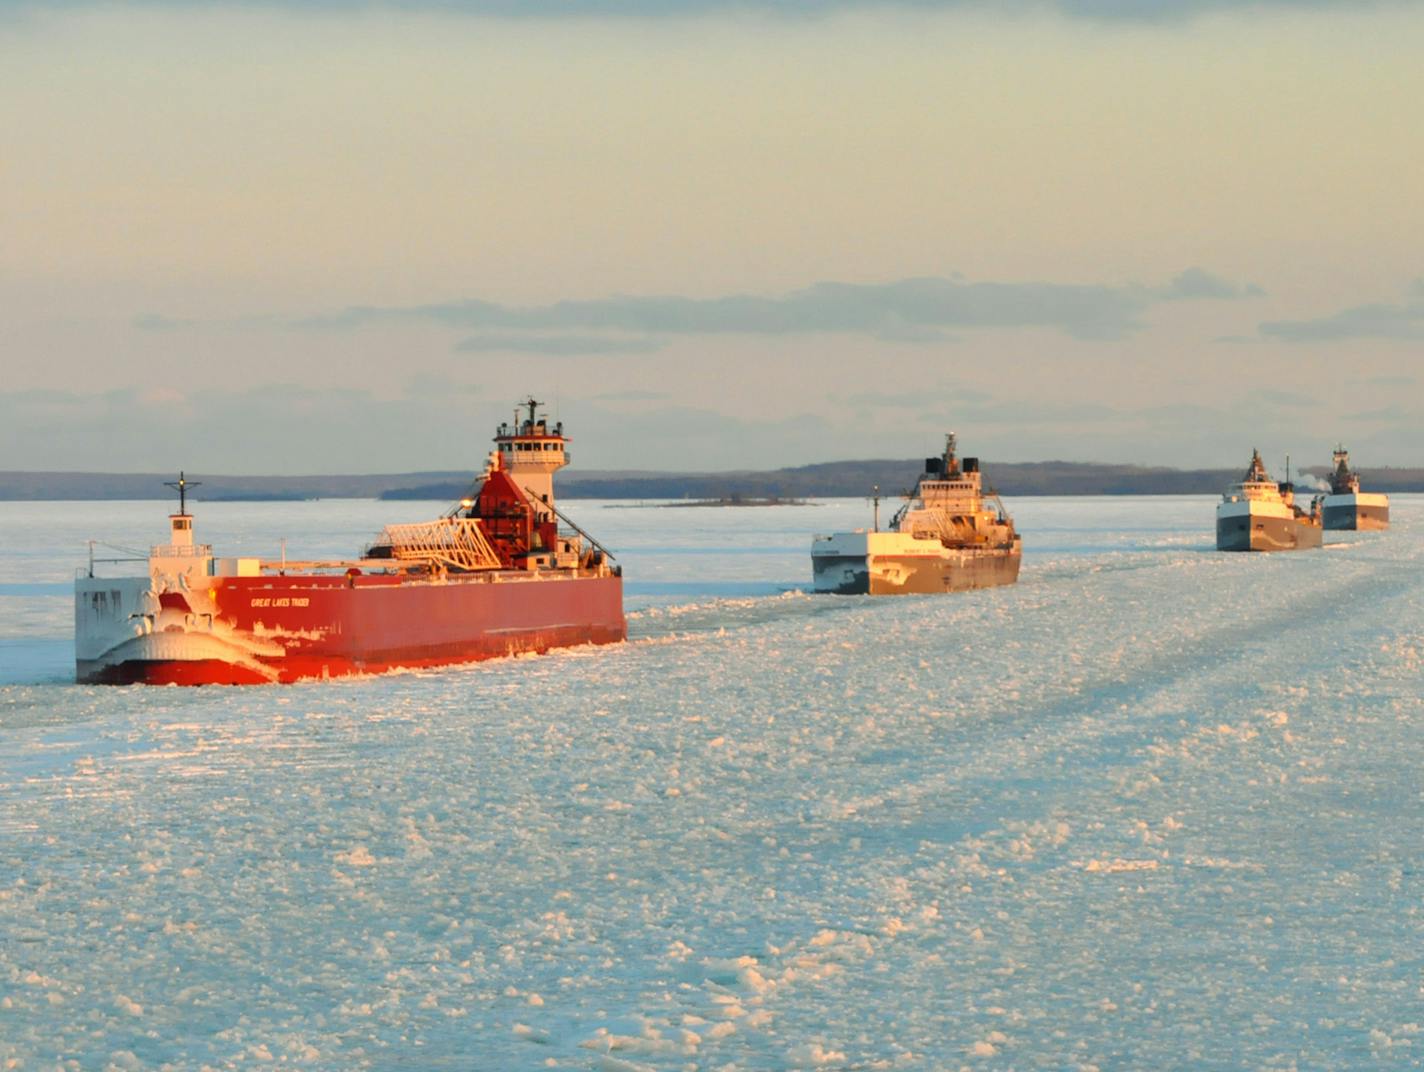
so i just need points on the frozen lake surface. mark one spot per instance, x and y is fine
(1153, 807)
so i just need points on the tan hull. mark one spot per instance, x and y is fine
(894, 575)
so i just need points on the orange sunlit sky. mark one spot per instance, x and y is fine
(328, 236)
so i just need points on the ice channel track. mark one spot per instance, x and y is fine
(658, 621)
(1098, 718)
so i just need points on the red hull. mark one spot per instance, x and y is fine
(290, 628)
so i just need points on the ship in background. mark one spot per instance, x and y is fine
(497, 575)
(1258, 514)
(1347, 507)
(949, 536)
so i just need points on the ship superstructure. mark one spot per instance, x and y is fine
(1347, 507)
(949, 535)
(497, 575)
(1259, 514)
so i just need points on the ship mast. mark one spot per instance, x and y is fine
(180, 545)
(951, 463)
(180, 525)
(181, 486)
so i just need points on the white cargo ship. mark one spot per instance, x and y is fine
(1258, 514)
(1347, 507)
(949, 536)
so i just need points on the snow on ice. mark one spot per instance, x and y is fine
(1154, 806)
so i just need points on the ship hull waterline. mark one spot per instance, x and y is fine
(882, 575)
(279, 630)
(1245, 533)
(1356, 518)
(289, 670)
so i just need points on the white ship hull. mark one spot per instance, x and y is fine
(1253, 525)
(892, 563)
(1357, 511)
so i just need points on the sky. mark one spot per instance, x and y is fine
(332, 236)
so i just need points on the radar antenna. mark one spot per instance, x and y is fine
(181, 486)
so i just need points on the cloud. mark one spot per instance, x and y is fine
(557, 345)
(1198, 283)
(908, 308)
(1360, 322)
(1404, 320)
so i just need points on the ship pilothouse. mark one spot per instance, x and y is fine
(515, 502)
(532, 451)
(947, 494)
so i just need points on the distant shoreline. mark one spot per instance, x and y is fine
(827, 480)
(731, 500)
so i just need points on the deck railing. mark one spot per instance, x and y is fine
(181, 550)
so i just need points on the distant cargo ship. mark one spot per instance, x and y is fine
(1347, 507)
(949, 536)
(497, 575)
(1257, 514)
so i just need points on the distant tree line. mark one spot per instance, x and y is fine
(836, 479)
(828, 479)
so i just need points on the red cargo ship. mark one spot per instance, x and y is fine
(497, 575)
